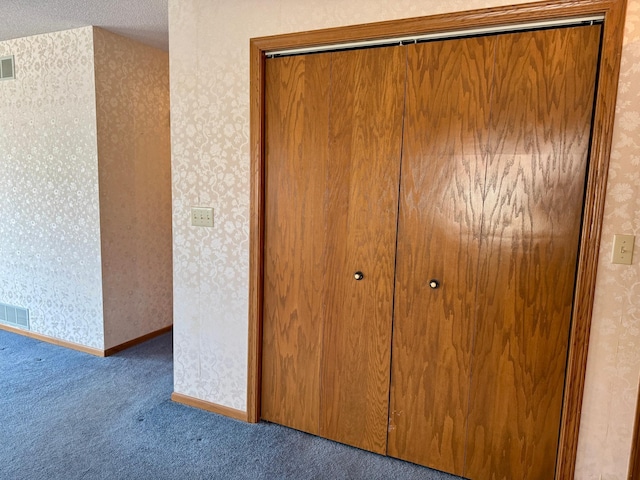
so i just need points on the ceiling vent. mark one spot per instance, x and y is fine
(7, 70)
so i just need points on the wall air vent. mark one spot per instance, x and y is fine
(14, 316)
(7, 70)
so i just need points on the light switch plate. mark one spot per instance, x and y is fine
(623, 249)
(202, 216)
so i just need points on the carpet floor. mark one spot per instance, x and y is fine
(68, 415)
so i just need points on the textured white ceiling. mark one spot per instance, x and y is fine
(142, 20)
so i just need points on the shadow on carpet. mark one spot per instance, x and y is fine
(69, 415)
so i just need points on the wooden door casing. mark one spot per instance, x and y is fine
(613, 12)
(543, 101)
(443, 170)
(634, 463)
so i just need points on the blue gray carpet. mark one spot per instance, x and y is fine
(68, 415)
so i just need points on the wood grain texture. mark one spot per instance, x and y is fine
(614, 14)
(54, 341)
(593, 213)
(634, 458)
(443, 170)
(256, 231)
(449, 22)
(365, 138)
(209, 406)
(297, 115)
(539, 141)
(137, 341)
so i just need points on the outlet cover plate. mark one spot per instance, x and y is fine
(202, 216)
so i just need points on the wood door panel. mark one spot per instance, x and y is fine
(443, 169)
(367, 97)
(539, 141)
(297, 113)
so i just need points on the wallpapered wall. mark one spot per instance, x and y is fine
(85, 186)
(49, 212)
(210, 141)
(134, 165)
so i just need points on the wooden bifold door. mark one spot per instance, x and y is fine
(422, 217)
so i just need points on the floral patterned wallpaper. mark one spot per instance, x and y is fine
(49, 211)
(134, 167)
(209, 54)
(85, 186)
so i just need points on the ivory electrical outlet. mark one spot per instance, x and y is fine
(202, 216)
(623, 249)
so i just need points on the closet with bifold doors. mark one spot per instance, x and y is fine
(423, 210)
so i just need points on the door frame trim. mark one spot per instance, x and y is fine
(634, 461)
(613, 12)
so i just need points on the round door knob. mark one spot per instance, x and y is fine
(358, 275)
(434, 283)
